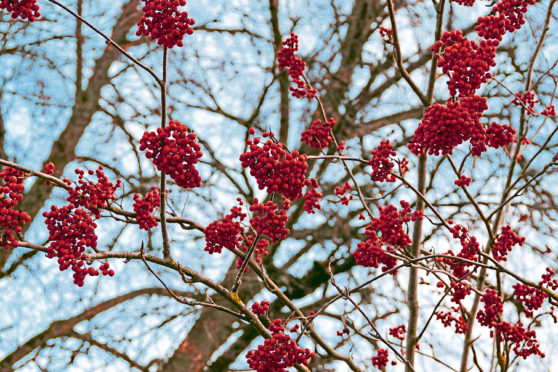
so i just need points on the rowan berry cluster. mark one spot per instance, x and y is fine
(505, 242)
(312, 196)
(274, 169)
(341, 191)
(466, 62)
(465, 2)
(527, 100)
(269, 220)
(225, 233)
(391, 223)
(24, 9)
(398, 332)
(319, 134)
(370, 253)
(386, 33)
(506, 16)
(286, 58)
(469, 251)
(11, 220)
(531, 298)
(493, 307)
(71, 231)
(500, 135)
(260, 308)
(162, 21)
(278, 352)
(459, 291)
(49, 168)
(145, 206)
(260, 250)
(463, 181)
(446, 126)
(174, 151)
(548, 281)
(525, 341)
(380, 360)
(447, 319)
(549, 111)
(90, 195)
(381, 163)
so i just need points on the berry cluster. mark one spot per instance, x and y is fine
(386, 33)
(446, 126)
(162, 21)
(531, 298)
(493, 307)
(225, 233)
(466, 62)
(24, 9)
(469, 250)
(274, 169)
(459, 291)
(505, 242)
(391, 223)
(463, 181)
(498, 135)
(381, 163)
(341, 191)
(174, 152)
(312, 196)
(548, 281)
(269, 220)
(145, 206)
(464, 2)
(398, 332)
(525, 341)
(506, 16)
(447, 318)
(259, 251)
(380, 360)
(549, 111)
(527, 100)
(90, 195)
(286, 58)
(278, 352)
(370, 253)
(49, 168)
(71, 231)
(319, 134)
(11, 220)
(260, 308)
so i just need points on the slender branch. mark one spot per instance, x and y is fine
(163, 193)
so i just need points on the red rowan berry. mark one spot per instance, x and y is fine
(286, 58)
(319, 134)
(145, 206)
(381, 163)
(260, 308)
(269, 220)
(312, 196)
(11, 220)
(225, 233)
(504, 243)
(93, 196)
(380, 360)
(174, 151)
(162, 21)
(24, 9)
(493, 307)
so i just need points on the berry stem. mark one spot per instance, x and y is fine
(162, 207)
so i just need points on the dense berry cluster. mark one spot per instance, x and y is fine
(71, 231)
(459, 291)
(391, 224)
(446, 126)
(11, 220)
(500, 135)
(549, 111)
(548, 281)
(145, 206)
(447, 318)
(341, 191)
(463, 181)
(531, 298)
(493, 307)
(506, 16)
(174, 152)
(466, 62)
(49, 168)
(162, 21)
(398, 332)
(278, 352)
(505, 242)
(260, 308)
(465, 2)
(370, 253)
(381, 163)
(24, 9)
(225, 233)
(90, 195)
(312, 196)
(286, 58)
(524, 341)
(269, 220)
(380, 360)
(319, 134)
(274, 169)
